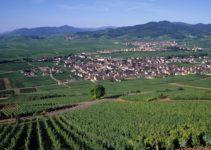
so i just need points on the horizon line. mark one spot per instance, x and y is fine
(103, 26)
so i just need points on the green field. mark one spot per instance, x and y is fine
(48, 94)
(164, 113)
(22, 47)
(19, 47)
(158, 53)
(161, 113)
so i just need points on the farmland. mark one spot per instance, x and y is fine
(105, 75)
(21, 47)
(149, 114)
(151, 54)
(136, 125)
(167, 112)
(47, 93)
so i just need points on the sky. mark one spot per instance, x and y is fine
(96, 13)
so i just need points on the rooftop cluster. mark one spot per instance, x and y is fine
(95, 69)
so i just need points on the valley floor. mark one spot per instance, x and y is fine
(165, 113)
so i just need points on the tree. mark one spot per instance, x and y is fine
(97, 91)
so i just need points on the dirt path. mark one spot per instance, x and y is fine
(80, 106)
(53, 78)
(195, 87)
(57, 111)
(56, 80)
(165, 100)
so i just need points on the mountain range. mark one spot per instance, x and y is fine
(176, 30)
(51, 31)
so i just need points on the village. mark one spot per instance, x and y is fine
(91, 66)
(95, 69)
(161, 46)
(113, 69)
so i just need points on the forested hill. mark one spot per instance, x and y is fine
(156, 30)
(51, 31)
(163, 29)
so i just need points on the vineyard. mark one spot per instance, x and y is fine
(50, 96)
(163, 113)
(47, 103)
(148, 125)
(54, 133)
(115, 125)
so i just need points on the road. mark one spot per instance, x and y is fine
(58, 111)
(56, 80)
(52, 77)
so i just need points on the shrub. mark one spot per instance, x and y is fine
(98, 91)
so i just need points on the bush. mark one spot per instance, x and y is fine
(98, 91)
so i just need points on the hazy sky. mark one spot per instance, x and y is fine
(95, 13)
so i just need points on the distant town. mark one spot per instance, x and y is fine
(99, 68)
(149, 46)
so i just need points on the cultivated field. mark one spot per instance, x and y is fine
(167, 113)
(116, 125)
(37, 113)
(21, 47)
